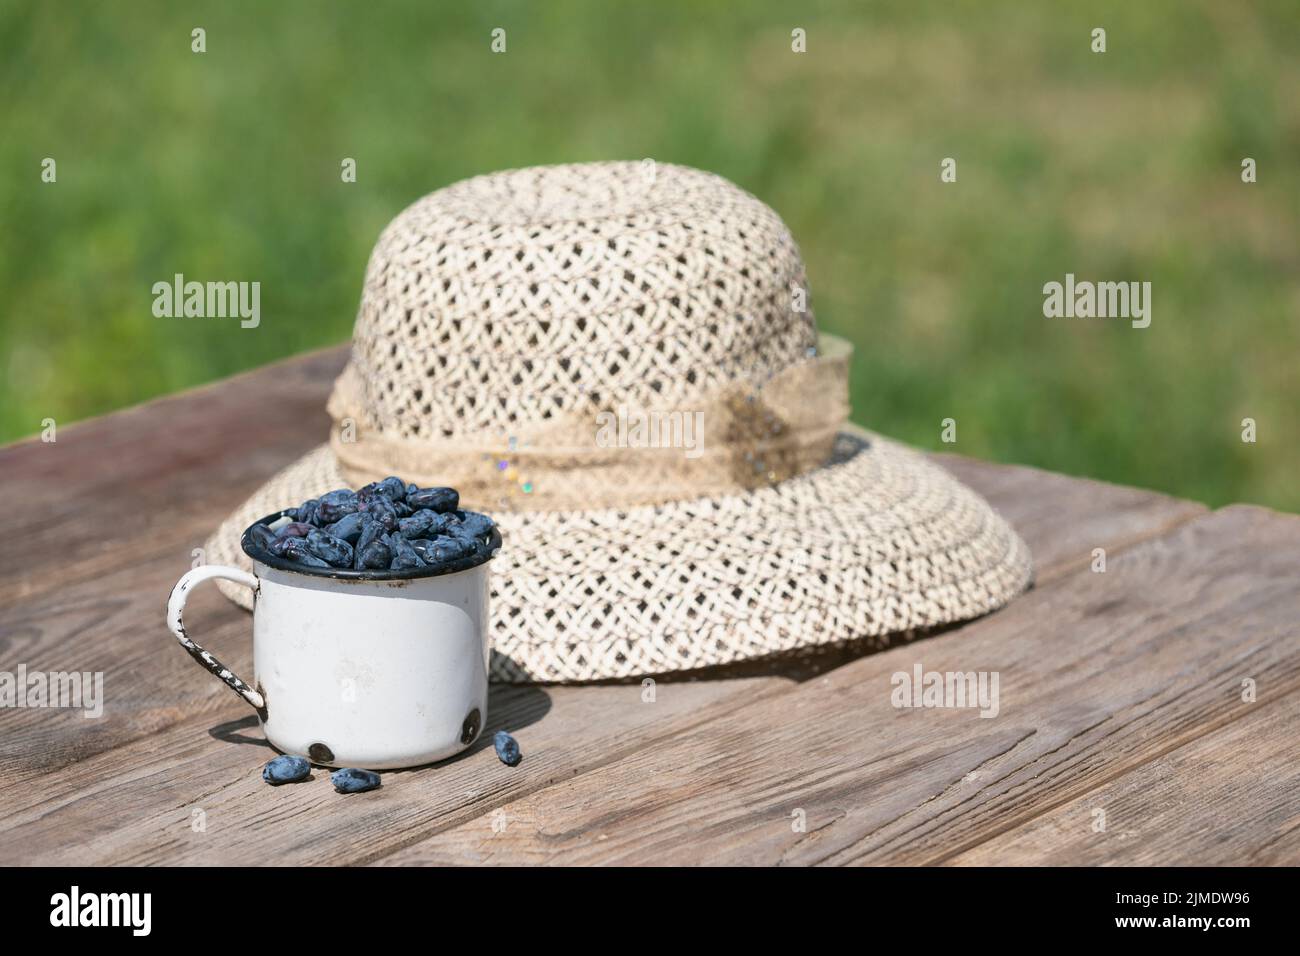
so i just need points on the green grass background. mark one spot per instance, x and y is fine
(1119, 166)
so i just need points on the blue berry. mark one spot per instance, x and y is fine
(404, 556)
(476, 525)
(507, 749)
(352, 780)
(329, 512)
(417, 524)
(444, 523)
(382, 510)
(376, 556)
(349, 527)
(295, 529)
(295, 549)
(386, 525)
(285, 547)
(439, 499)
(308, 511)
(330, 549)
(393, 488)
(335, 504)
(261, 535)
(449, 548)
(371, 530)
(286, 769)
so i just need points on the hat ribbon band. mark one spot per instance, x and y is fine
(746, 436)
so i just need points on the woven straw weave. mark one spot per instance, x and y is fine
(501, 314)
(512, 298)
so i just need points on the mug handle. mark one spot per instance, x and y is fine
(176, 606)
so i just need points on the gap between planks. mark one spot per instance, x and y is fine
(1253, 527)
(1058, 571)
(1121, 769)
(1101, 513)
(1238, 741)
(1056, 490)
(467, 810)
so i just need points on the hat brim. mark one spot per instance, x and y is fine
(877, 542)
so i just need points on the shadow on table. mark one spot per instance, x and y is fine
(805, 663)
(231, 732)
(799, 665)
(510, 707)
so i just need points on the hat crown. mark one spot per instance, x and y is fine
(507, 300)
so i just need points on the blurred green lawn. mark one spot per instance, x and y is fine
(1120, 166)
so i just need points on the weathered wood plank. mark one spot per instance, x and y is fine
(145, 816)
(193, 457)
(1230, 796)
(91, 810)
(112, 512)
(114, 625)
(141, 482)
(135, 805)
(1064, 518)
(1099, 674)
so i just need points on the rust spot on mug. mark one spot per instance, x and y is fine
(320, 753)
(469, 729)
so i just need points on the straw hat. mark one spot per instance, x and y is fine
(617, 362)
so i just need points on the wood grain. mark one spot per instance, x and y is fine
(1063, 518)
(122, 789)
(142, 818)
(135, 805)
(145, 481)
(112, 513)
(91, 812)
(1100, 674)
(114, 625)
(1229, 796)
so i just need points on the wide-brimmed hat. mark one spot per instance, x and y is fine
(619, 363)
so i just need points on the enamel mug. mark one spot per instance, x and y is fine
(373, 669)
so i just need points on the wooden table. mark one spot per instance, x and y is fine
(1120, 691)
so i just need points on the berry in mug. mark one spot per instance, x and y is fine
(388, 525)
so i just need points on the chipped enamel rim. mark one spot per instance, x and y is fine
(262, 556)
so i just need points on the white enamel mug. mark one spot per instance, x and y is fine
(374, 669)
